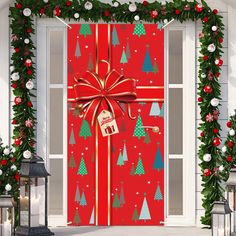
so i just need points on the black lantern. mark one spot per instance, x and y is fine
(33, 198)
(7, 216)
(221, 219)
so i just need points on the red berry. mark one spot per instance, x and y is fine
(29, 104)
(17, 142)
(68, 3)
(17, 176)
(229, 158)
(229, 124)
(221, 40)
(3, 162)
(18, 6)
(215, 131)
(29, 72)
(200, 99)
(216, 142)
(205, 58)
(217, 74)
(14, 86)
(17, 50)
(205, 19)
(14, 122)
(206, 172)
(29, 30)
(215, 11)
(202, 134)
(106, 13)
(42, 11)
(145, 3)
(177, 11)
(230, 144)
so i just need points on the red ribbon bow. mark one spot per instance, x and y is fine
(96, 92)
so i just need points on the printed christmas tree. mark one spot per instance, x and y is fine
(77, 50)
(139, 130)
(158, 195)
(70, 67)
(147, 64)
(132, 170)
(123, 58)
(116, 201)
(83, 201)
(72, 137)
(158, 162)
(123, 126)
(122, 194)
(125, 156)
(135, 216)
(155, 109)
(139, 30)
(85, 130)
(115, 39)
(145, 213)
(91, 221)
(85, 30)
(72, 163)
(162, 113)
(77, 194)
(139, 169)
(77, 217)
(90, 63)
(127, 51)
(155, 67)
(147, 139)
(120, 161)
(82, 168)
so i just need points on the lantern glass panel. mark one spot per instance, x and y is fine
(37, 198)
(24, 201)
(6, 221)
(227, 225)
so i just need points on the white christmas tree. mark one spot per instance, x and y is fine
(145, 213)
(125, 156)
(91, 221)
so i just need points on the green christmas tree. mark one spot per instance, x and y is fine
(123, 58)
(139, 30)
(147, 64)
(77, 194)
(145, 213)
(135, 216)
(158, 162)
(85, 130)
(158, 195)
(120, 161)
(155, 67)
(77, 217)
(147, 139)
(115, 39)
(132, 170)
(139, 169)
(77, 50)
(82, 168)
(91, 221)
(85, 30)
(116, 201)
(83, 201)
(72, 163)
(139, 130)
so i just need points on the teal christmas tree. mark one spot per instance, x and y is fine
(116, 201)
(82, 168)
(125, 156)
(139, 130)
(115, 39)
(85, 30)
(123, 58)
(77, 50)
(77, 217)
(147, 64)
(139, 169)
(77, 194)
(85, 130)
(139, 30)
(145, 213)
(122, 194)
(127, 51)
(72, 137)
(158, 195)
(91, 221)
(155, 109)
(162, 113)
(120, 161)
(83, 201)
(158, 162)
(135, 216)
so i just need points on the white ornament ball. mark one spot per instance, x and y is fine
(233, 113)
(6, 151)
(8, 187)
(115, 4)
(165, 21)
(12, 68)
(88, 5)
(76, 15)
(26, 41)
(29, 85)
(26, 12)
(215, 102)
(207, 157)
(211, 47)
(214, 28)
(231, 132)
(46, 1)
(221, 168)
(15, 76)
(132, 7)
(203, 75)
(0, 172)
(224, 149)
(137, 18)
(13, 167)
(27, 154)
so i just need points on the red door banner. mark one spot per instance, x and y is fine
(115, 124)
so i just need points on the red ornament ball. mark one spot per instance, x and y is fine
(28, 63)
(17, 176)
(198, 8)
(177, 12)
(207, 172)
(14, 86)
(205, 19)
(154, 14)
(229, 124)
(215, 11)
(17, 50)
(29, 72)
(229, 158)
(205, 58)
(200, 99)
(145, 3)
(18, 6)
(207, 89)
(17, 142)
(29, 104)
(107, 13)
(57, 11)
(42, 11)
(215, 131)
(29, 30)
(217, 74)
(219, 62)
(230, 144)
(17, 100)
(14, 122)
(202, 134)
(68, 3)
(221, 40)
(3, 162)
(216, 142)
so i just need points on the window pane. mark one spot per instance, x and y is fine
(56, 187)
(176, 57)
(56, 121)
(176, 121)
(56, 57)
(175, 187)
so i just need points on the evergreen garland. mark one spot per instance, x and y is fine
(23, 70)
